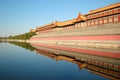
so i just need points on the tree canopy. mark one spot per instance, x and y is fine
(24, 36)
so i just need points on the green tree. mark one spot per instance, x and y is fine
(24, 36)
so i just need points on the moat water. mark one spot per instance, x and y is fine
(23, 63)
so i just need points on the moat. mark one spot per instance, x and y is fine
(23, 61)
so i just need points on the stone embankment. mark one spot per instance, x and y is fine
(84, 44)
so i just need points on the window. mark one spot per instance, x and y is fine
(105, 13)
(97, 15)
(116, 18)
(75, 25)
(83, 24)
(88, 23)
(94, 15)
(78, 24)
(113, 11)
(105, 20)
(116, 10)
(110, 19)
(111, 65)
(100, 21)
(102, 13)
(92, 22)
(96, 62)
(100, 63)
(96, 21)
(105, 64)
(67, 27)
(110, 11)
(116, 66)
(88, 17)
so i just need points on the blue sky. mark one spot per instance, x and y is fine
(18, 16)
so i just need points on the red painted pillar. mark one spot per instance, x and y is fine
(94, 22)
(119, 10)
(112, 19)
(103, 21)
(80, 24)
(77, 25)
(119, 18)
(112, 11)
(108, 20)
(87, 23)
(98, 21)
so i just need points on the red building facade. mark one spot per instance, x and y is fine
(105, 15)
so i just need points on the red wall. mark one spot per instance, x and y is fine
(104, 37)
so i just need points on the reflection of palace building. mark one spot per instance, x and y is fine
(99, 28)
(106, 67)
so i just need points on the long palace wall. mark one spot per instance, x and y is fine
(99, 29)
(103, 37)
(107, 29)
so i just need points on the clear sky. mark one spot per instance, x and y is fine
(18, 16)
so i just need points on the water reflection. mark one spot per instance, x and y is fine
(23, 45)
(103, 66)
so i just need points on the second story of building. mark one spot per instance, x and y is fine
(105, 15)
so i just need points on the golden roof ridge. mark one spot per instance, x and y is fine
(105, 8)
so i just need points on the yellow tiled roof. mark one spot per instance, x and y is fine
(45, 26)
(105, 8)
(81, 17)
(68, 22)
(72, 21)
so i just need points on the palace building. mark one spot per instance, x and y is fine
(106, 15)
(100, 28)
